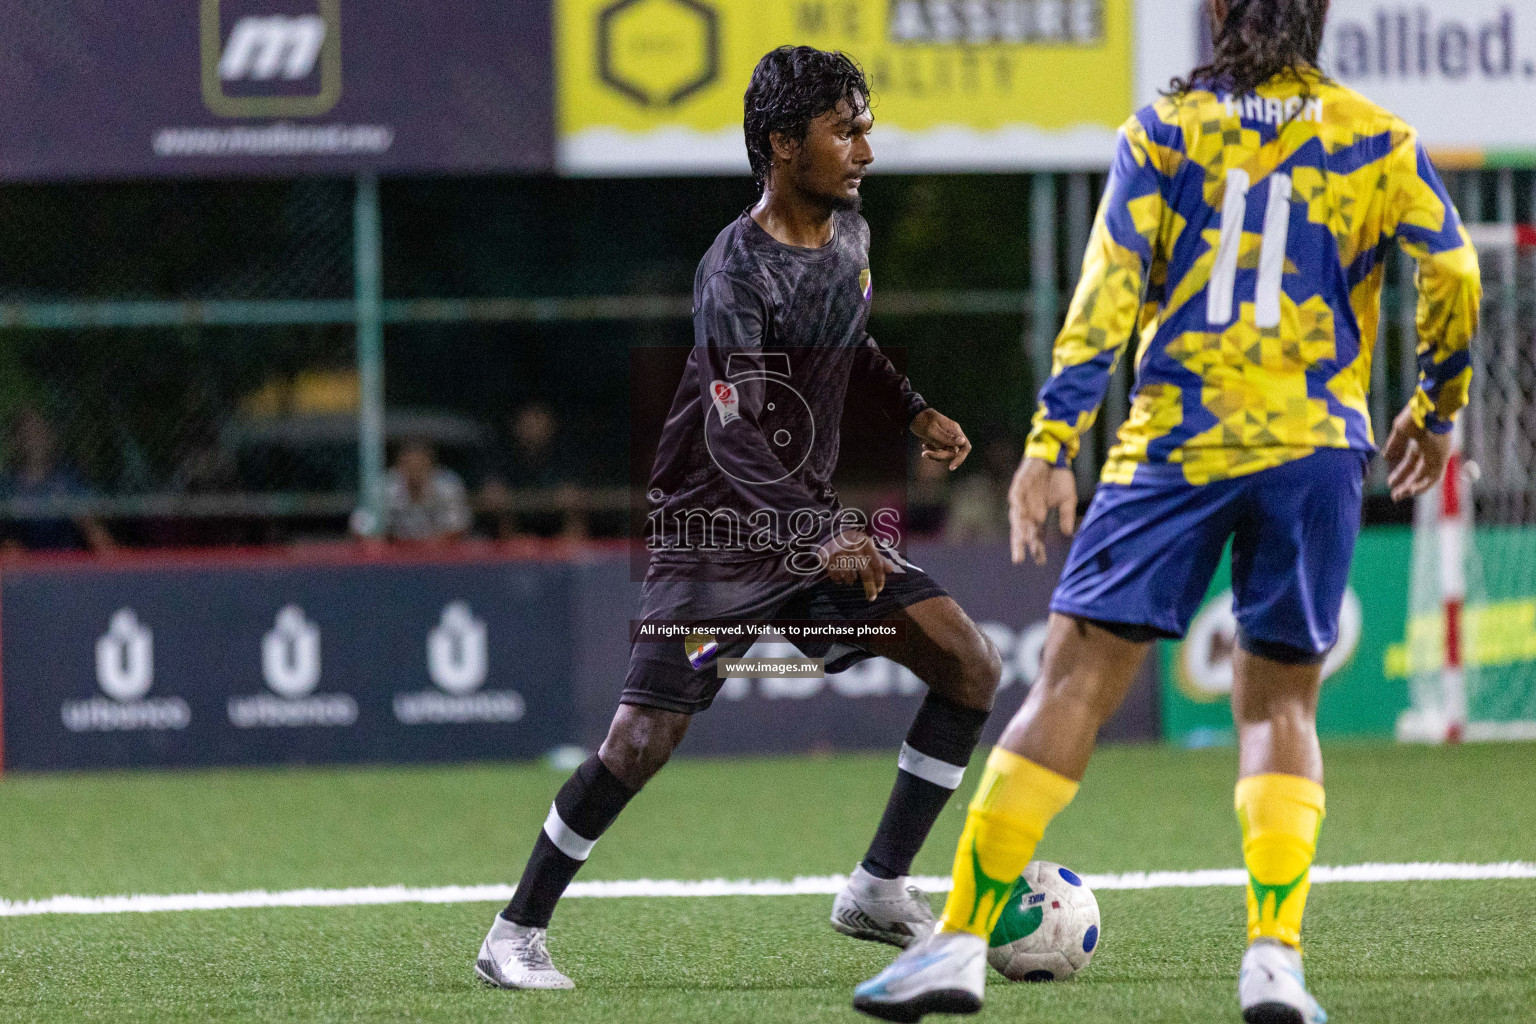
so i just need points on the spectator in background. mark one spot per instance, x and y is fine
(928, 497)
(36, 474)
(206, 468)
(533, 459)
(422, 500)
(978, 506)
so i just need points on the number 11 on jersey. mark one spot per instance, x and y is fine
(1221, 294)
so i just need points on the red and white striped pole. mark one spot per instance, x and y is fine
(1455, 518)
(1505, 236)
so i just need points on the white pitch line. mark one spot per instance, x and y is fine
(805, 885)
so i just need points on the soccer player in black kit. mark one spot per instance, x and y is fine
(781, 301)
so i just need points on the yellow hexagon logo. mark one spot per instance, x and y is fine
(658, 52)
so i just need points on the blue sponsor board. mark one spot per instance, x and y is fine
(261, 664)
(277, 659)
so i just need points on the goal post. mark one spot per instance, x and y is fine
(1471, 630)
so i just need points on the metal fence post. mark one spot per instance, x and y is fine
(367, 273)
(1042, 274)
(1079, 225)
(1381, 422)
(1513, 470)
(1408, 324)
(1469, 193)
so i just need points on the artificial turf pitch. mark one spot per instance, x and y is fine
(1387, 952)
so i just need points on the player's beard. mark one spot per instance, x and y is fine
(844, 203)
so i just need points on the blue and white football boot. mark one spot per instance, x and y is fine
(943, 973)
(1272, 989)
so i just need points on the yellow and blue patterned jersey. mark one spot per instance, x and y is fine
(1242, 240)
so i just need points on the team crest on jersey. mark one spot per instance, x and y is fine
(700, 647)
(727, 401)
(866, 283)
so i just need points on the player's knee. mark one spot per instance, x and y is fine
(634, 762)
(1269, 690)
(987, 668)
(973, 671)
(1082, 676)
(1292, 708)
(640, 742)
(1080, 692)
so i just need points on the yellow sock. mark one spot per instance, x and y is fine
(1281, 816)
(1015, 801)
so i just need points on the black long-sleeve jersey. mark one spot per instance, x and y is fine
(753, 433)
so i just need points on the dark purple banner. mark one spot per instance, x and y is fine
(339, 655)
(139, 88)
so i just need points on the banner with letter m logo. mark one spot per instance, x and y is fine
(260, 65)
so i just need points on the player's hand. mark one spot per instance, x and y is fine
(943, 440)
(852, 557)
(1037, 488)
(1416, 457)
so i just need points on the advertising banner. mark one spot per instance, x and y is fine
(655, 86)
(270, 661)
(233, 664)
(1364, 685)
(1463, 72)
(132, 88)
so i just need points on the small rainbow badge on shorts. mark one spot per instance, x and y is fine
(866, 283)
(700, 647)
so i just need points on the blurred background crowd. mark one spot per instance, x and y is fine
(195, 317)
(508, 419)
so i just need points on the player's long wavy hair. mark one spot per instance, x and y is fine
(1258, 40)
(790, 88)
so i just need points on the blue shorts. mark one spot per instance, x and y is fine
(1145, 553)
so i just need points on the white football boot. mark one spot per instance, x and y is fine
(1272, 989)
(943, 973)
(515, 956)
(889, 910)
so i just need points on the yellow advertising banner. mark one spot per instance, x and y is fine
(655, 86)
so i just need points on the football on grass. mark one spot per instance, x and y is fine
(1049, 928)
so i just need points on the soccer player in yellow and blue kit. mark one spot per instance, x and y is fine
(1240, 244)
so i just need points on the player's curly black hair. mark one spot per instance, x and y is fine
(1258, 40)
(790, 88)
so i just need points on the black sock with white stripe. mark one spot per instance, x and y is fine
(583, 809)
(939, 746)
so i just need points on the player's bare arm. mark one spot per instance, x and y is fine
(1038, 489)
(943, 440)
(1416, 456)
(853, 557)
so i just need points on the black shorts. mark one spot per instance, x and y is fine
(660, 674)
